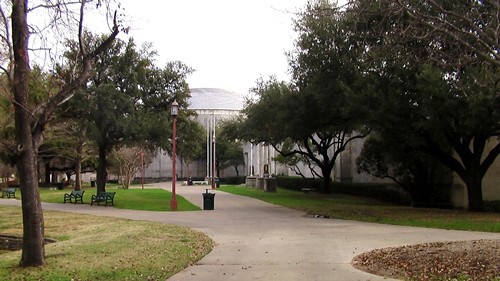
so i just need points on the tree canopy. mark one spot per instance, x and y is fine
(434, 67)
(127, 99)
(317, 112)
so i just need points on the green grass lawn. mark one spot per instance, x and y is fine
(97, 248)
(369, 210)
(133, 199)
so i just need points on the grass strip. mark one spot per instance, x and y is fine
(132, 199)
(370, 210)
(97, 248)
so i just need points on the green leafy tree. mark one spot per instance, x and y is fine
(295, 161)
(191, 141)
(426, 180)
(279, 117)
(229, 151)
(317, 113)
(126, 100)
(7, 129)
(435, 66)
(66, 149)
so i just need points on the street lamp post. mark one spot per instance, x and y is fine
(142, 168)
(174, 111)
(214, 170)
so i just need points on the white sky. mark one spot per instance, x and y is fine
(229, 43)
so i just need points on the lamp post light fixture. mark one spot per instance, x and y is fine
(174, 111)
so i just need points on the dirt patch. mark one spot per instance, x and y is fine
(463, 260)
(14, 243)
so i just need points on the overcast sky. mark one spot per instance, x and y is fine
(229, 43)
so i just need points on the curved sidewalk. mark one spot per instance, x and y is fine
(255, 240)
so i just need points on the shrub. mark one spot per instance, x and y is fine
(492, 206)
(386, 192)
(297, 183)
(233, 180)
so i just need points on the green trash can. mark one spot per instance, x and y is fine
(208, 200)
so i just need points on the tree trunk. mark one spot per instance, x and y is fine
(101, 170)
(47, 173)
(78, 172)
(78, 163)
(474, 184)
(327, 181)
(33, 253)
(327, 185)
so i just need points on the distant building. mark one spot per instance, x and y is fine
(211, 106)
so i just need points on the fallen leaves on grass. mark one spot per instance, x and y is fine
(462, 260)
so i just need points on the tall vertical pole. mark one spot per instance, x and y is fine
(208, 149)
(213, 163)
(142, 168)
(173, 203)
(251, 160)
(175, 108)
(214, 166)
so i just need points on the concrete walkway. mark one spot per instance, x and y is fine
(260, 241)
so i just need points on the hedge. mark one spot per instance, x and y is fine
(386, 192)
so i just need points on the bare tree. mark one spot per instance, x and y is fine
(30, 122)
(130, 161)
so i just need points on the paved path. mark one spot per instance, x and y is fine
(260, 241)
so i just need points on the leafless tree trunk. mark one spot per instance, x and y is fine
(30, 125)
(130, 163)
(33, 242)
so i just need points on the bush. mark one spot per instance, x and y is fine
(492, 206)
(297, 183)
(233, 180)
(386, 192)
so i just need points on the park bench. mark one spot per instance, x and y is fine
(76, 195)
(200, 182)
(307, 189)
(103, 197)
(9, 192)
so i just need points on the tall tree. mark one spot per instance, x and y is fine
(190, 140)
(30, 123)
(126, 99)
(317, 112)
(229, 149)
(283, 115)
(436, 69)
(66, 149)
